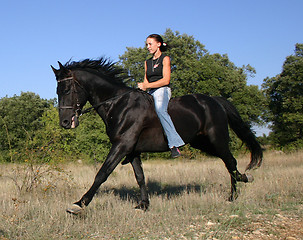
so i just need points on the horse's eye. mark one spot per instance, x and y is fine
(66, 91)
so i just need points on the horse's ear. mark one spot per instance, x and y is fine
(54, 70)
(61, 66)
(59, 72)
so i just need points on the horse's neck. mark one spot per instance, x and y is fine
(101, 90)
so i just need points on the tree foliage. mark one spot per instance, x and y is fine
(19, 119)
(29, 128)
(195, 70)
(285, 99)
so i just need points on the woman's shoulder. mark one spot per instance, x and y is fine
(165, 58)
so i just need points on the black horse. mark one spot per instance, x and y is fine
(133, 127)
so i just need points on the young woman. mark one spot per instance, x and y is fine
(157, 78)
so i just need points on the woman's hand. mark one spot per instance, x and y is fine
(142, 86)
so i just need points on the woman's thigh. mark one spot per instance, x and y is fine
(161, 98)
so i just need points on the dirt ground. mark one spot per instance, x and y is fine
(282, 227)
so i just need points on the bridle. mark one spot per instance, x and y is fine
(78, 110)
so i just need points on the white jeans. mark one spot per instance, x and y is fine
(161, 98)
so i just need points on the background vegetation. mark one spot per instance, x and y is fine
(29, 126)
(285, 102)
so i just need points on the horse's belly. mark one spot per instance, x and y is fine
(152, 140)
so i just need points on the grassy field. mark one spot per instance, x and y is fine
(188, 201)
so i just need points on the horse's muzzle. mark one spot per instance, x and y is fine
(73, 123)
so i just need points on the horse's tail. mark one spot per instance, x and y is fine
(243, 131)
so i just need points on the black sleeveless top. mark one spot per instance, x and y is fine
(154, 70)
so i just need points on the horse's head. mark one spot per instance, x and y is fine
(71, 97)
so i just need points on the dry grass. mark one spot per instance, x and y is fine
(188, 201)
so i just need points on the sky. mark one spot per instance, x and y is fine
(36, 34)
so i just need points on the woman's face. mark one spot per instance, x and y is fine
(152, 45)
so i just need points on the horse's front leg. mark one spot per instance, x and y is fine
(115, 155)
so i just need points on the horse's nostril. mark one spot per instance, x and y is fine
(65, 123)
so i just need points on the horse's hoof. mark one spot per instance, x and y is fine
(142, 206)
(250, 178)
(232, 197)
(75, 209)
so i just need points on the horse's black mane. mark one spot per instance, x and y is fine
(103, 67)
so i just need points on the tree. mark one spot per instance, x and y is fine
(29, 129)
(19, 119)
(285, 97)
(195, 70)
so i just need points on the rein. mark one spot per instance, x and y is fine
(78, 110)
(105, 101)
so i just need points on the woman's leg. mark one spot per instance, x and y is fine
(161, 99)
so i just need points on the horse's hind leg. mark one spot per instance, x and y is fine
(218, 146)
(235, 175)
(139, 174)
(220, 142)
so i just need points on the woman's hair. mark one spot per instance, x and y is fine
(159, 39)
